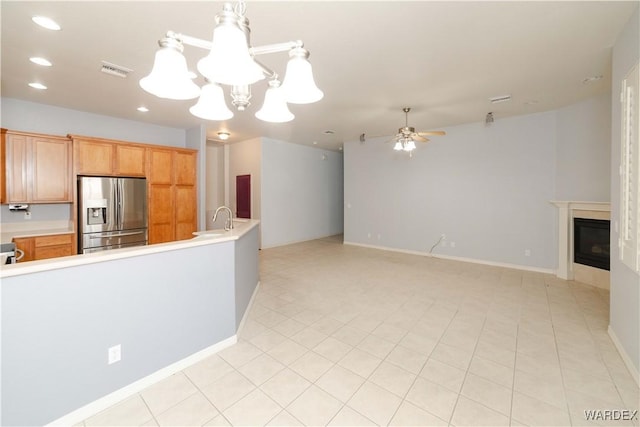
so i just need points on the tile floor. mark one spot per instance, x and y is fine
(344, 335)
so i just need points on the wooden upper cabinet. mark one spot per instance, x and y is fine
(160, 166)
(15, 169)
(95, 156)
(185, 170)
(130, 160)
(51, 170)
(36, 168)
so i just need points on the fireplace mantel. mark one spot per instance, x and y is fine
(567, 210)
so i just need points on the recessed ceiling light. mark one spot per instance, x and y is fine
(37, 86)
(315, 142)
(143, 109)
(47, 23)
(40, 61)
(224, 135)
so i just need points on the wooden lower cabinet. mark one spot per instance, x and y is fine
(44, 247)
(26, 245)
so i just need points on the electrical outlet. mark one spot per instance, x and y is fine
(527, 252)
(27, 215)
(114, 354)
(452, 244)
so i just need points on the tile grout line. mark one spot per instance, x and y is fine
(466, 373)
(555, 342)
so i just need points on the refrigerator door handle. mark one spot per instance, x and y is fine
(114, 201)
(119, 201)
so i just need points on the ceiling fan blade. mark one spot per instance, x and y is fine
(394, 139)
(433, 132)
(419, 138)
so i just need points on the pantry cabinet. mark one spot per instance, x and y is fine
(172, 194)
(35, 168)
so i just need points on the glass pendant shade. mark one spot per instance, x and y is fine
(211, 105)
(169, 77)
(298, 85)
(275, 108)
(398, 146)
(229, 61)
(409, 145)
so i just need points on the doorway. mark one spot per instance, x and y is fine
(243, 196)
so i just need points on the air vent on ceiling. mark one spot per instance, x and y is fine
(115, 70)
(502, 98)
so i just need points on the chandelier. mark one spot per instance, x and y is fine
(231, 62)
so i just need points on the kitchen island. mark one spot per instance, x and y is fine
(166, 306)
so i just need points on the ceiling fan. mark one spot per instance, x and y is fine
(407, 136)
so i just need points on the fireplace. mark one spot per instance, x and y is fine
(591, 242)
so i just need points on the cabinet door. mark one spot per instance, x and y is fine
(186, 215)
(94, 157)
(160, 166)
(185, 168)
(53, 246)
(161, 216)
(130, 160)
(17, 154)
(53, 252)
(26, 245)
(51, 170)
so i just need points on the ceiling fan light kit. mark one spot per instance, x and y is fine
(231, 61)
(407, 136)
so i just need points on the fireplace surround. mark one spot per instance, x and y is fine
(568, 269)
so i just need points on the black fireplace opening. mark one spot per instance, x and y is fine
(591, 242)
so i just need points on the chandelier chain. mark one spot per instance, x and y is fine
(240, 8)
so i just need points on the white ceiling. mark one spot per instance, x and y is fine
(371, 58)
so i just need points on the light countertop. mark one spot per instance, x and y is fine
(201, 238)
(11, 230)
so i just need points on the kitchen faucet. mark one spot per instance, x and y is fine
(228, 225)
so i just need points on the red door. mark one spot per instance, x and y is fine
(243, 196)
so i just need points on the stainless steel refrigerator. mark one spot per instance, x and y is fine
(112, 213)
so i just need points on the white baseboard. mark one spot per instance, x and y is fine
(246, 312)
(461, 259)
(117, 396)
(293, 242)
(633, 370)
